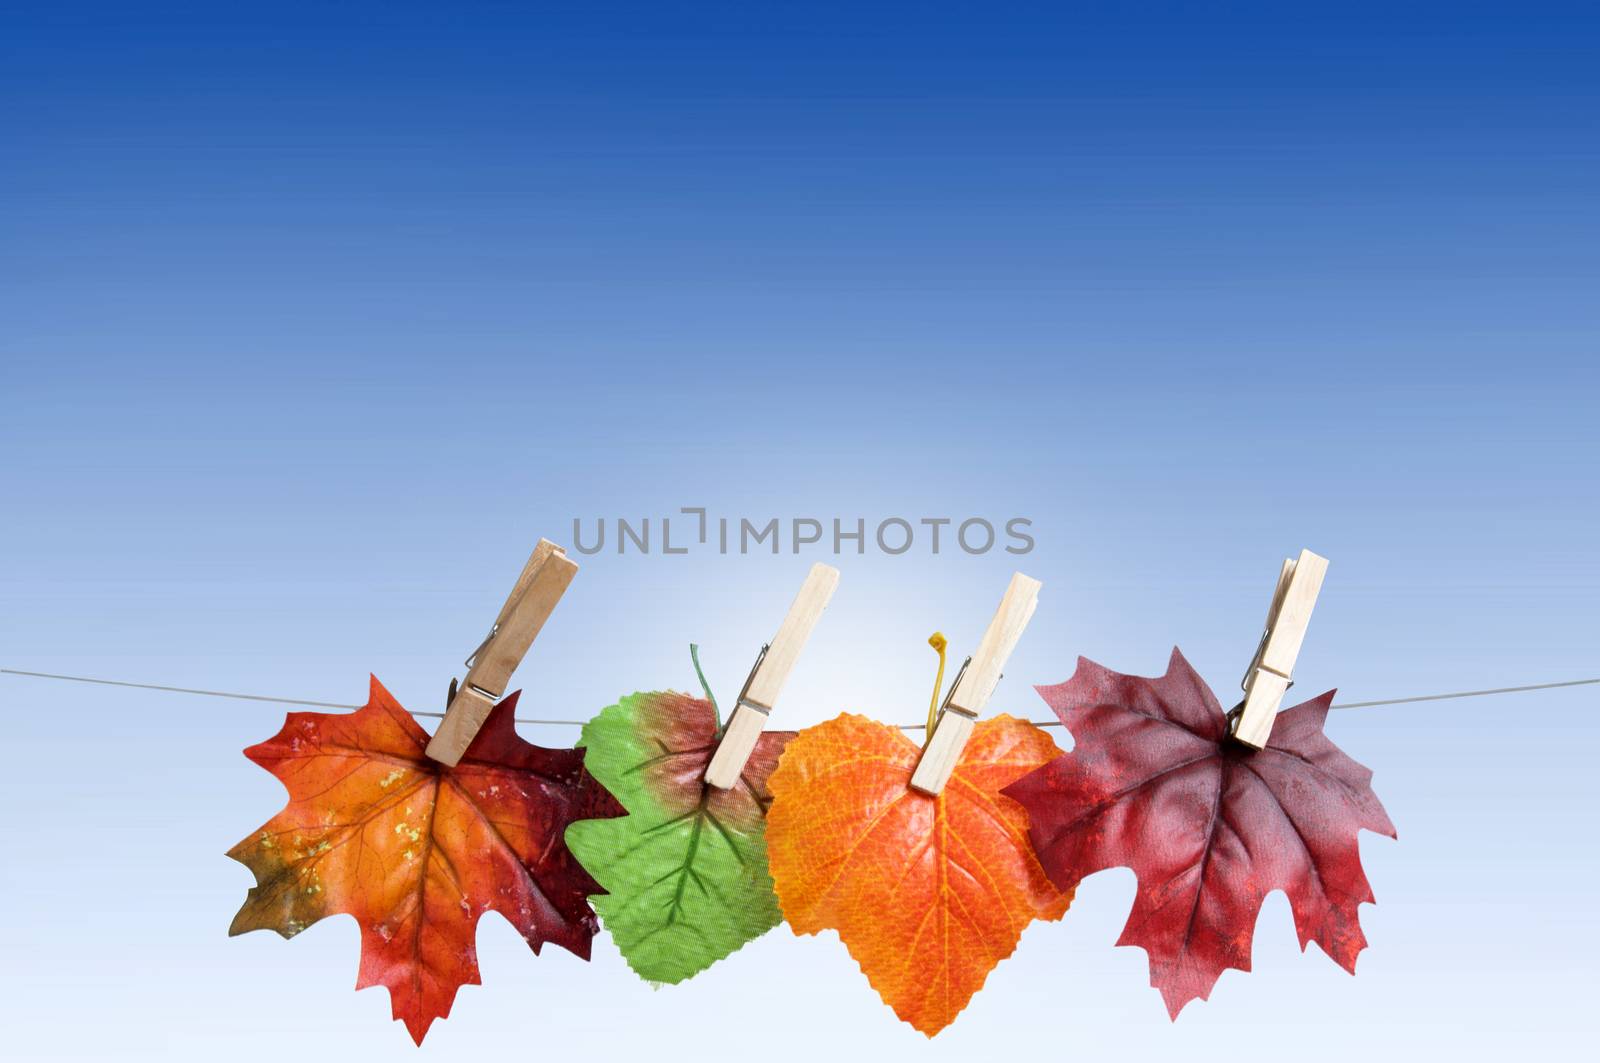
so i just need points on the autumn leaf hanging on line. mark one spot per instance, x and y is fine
(685, 871)
(928, 893)
(1209, 826)
(417, 851)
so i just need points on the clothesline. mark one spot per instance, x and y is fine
(579, 723)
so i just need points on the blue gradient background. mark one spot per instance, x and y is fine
(316, 316)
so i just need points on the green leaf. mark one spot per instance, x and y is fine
(685, 872)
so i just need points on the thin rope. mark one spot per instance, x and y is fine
(187, 690)
(1465, 694)
(580, 723)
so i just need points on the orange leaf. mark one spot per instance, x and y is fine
(417, 851)
(928, 893)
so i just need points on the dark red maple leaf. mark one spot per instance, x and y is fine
(1209, 826)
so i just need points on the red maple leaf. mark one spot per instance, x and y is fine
(1209, 826)
(416, 851)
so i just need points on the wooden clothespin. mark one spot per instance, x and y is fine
(771, 670)
(973, 685)
(544, 580)
(1299, 582)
